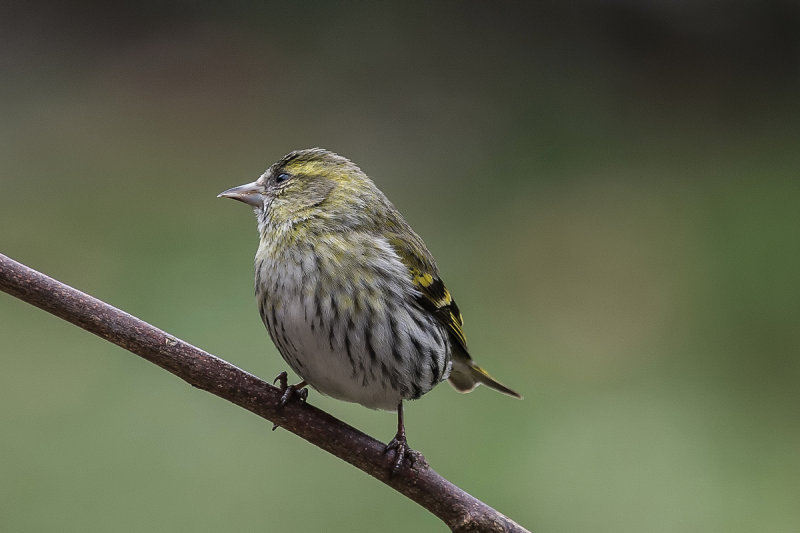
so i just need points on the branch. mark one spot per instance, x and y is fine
(419, 482)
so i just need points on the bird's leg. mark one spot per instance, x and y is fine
(399, 443)
(298, 390)
(289, 391)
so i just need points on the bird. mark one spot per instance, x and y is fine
(350, 295)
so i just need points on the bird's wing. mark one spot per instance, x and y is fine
(434, 296)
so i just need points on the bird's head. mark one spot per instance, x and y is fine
(307, 184)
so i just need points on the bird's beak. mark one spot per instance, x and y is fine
(249, 193)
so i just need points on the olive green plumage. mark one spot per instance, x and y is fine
(349, 293)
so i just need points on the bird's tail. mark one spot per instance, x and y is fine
(466, 375)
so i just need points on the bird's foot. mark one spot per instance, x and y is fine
(290, 391)
(298, 391)
(402, 453)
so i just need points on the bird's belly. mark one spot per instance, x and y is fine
(334, 365)
(360, 358)
(355, 338)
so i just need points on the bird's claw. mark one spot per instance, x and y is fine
(289, 391)
(401, 453)
(292, 391)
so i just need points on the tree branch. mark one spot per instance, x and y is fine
(419, 482)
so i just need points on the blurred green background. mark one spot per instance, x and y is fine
(611, 190)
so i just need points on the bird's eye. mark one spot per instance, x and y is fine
(282, 177)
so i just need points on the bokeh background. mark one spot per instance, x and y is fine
(611, 190)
